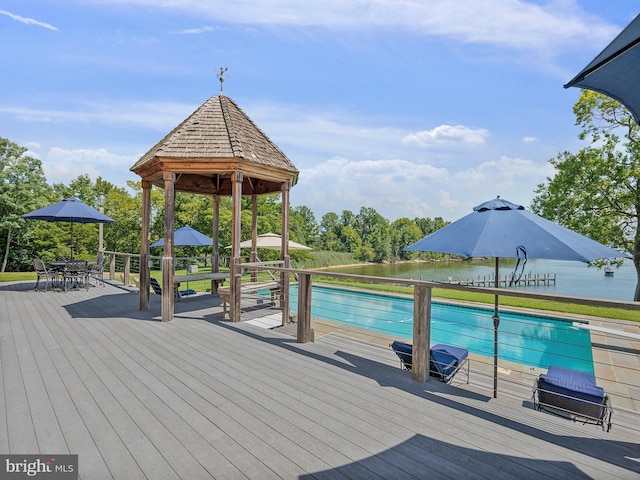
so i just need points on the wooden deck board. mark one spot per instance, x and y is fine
(86, 372)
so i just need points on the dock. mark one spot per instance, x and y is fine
(505, 281)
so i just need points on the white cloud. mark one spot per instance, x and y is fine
(505, 173)
(64, 165)
(514, 24)
(448, 135)
(393, 187)
(195, 31)
(530, 139)
(28, 21)
(163, 116)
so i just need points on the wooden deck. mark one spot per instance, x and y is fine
(197, 398)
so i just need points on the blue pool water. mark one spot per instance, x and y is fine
(525, 339)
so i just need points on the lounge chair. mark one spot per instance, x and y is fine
(444, 360)
(157, 289)
(155, 286)
(572, 394)
(404, 351)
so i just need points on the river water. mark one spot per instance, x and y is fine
(572, 278)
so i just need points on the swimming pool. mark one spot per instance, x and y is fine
(535, 341)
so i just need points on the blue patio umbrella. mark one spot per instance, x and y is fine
(615, 71)
(499, 228)
(70, 210)
(187, 237)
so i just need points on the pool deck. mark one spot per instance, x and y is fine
(86, 372)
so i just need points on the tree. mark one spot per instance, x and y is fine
(329, 232)
(373, 229)
(403, 232)
(303, 226)
(596, 191)
(23, 188)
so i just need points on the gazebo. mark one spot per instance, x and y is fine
(217, 151)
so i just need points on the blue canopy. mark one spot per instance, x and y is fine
(499, 228)
(69, 210)
(616, 70)
(187, 237)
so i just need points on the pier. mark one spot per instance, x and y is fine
(505, 280)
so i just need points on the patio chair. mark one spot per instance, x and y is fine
(572, 394)
(96, 269)
(444, 360)
(43, 272)
(75, 275)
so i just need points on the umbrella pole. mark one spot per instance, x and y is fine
(71, 241)
(496, 324)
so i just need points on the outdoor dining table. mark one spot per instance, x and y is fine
(70, 273)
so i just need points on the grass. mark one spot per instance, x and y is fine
(17, 276)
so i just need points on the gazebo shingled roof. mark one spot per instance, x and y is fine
(215, 140)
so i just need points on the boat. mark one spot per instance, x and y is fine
(608, 271)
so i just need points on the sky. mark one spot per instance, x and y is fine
(415, 108)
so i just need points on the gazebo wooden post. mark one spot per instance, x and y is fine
(235, 277)
(284, 248)
(167, 251)
(144, 249)
(421, 332)
(215, 259)
(254, 235)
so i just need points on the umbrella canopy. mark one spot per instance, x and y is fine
(70, 210)
(187, 237)
(272, 241)
(499, 228)
(615, 72)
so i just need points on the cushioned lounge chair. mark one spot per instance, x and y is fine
(404, 351)
(444, 360)
(572, 394)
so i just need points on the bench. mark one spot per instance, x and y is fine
(216, 278)
(573, 394)
(225, 292)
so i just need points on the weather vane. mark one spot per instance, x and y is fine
(222, 74)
